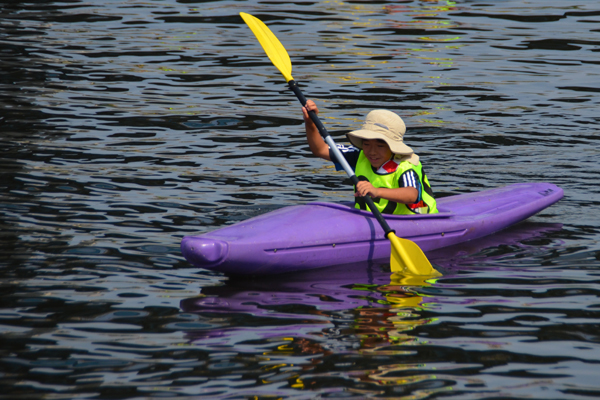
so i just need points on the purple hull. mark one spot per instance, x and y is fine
(317, 235)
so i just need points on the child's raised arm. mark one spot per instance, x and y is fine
(316, 143)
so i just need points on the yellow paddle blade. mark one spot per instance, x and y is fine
(271, 45)
(407, 256)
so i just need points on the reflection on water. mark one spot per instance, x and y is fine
(324, 322)
(128, 124)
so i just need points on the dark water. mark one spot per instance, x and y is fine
(126, 125)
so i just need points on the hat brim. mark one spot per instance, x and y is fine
(397, 147)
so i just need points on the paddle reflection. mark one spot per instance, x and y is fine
(387, 324)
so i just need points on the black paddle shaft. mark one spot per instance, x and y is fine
(339, 158)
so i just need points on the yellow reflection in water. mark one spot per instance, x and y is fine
(386, 331)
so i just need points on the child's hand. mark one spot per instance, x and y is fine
(364, 188)
(310, 106)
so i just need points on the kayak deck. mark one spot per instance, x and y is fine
(320, 234)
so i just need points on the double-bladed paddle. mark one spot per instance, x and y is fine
(405, 255)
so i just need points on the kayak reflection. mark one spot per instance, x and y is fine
(351, 307)
(338, 309)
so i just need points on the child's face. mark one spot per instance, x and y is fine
(377, 151)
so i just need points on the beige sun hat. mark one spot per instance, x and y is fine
(385, 125)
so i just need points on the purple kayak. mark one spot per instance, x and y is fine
(317, 235)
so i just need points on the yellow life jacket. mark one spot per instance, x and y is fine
(364, 171)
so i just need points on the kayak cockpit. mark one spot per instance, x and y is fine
(349, 207)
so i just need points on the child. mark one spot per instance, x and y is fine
(388, 170)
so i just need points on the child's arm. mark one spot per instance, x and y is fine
(404, 195)
(318, 147)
